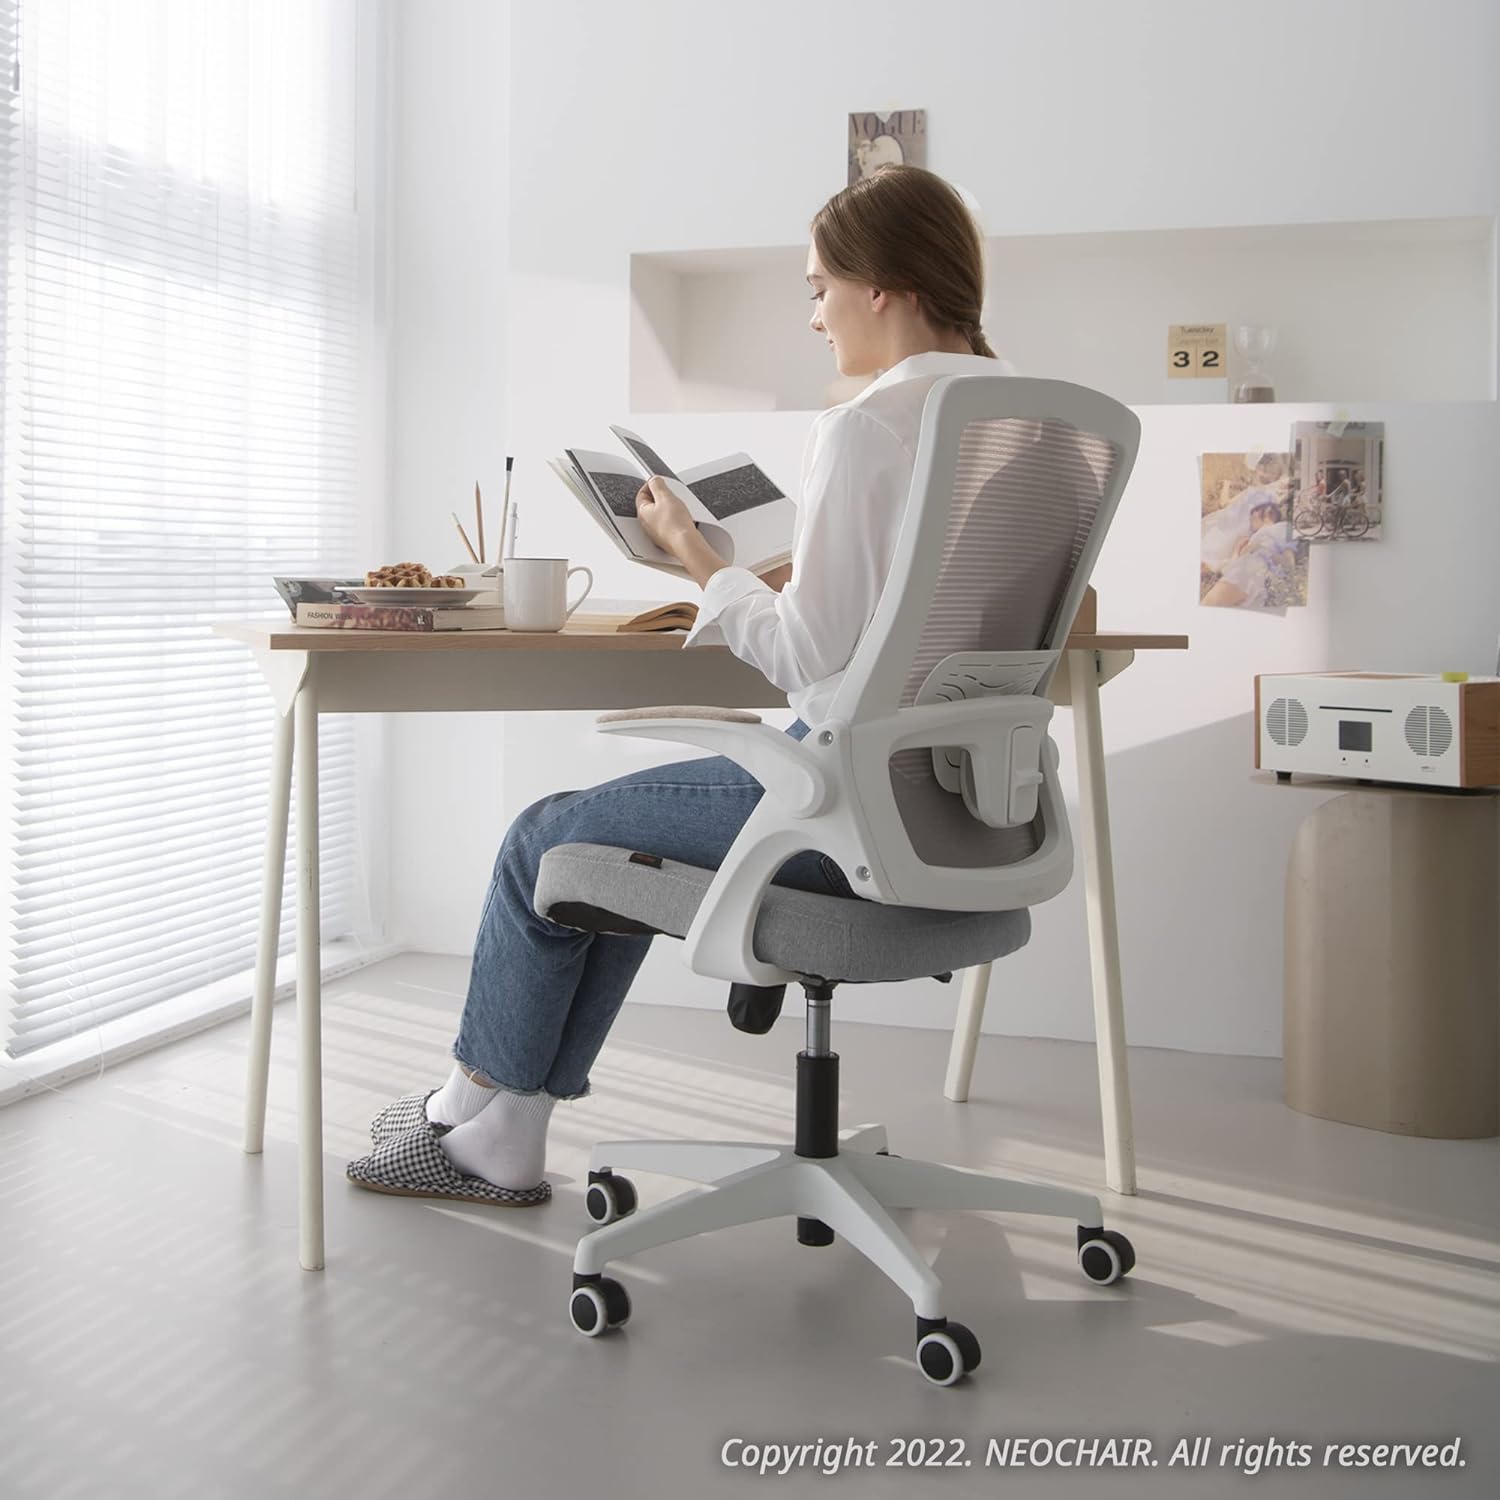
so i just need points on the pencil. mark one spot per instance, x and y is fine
(505, 506)
(479, 519)
(460, 526)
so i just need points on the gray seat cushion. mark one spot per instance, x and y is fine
(833, 937)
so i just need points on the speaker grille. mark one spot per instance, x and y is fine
(1429, 731)
(1286, 722)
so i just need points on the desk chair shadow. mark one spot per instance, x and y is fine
(933, 784)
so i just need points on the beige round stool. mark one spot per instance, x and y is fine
(1392, 994)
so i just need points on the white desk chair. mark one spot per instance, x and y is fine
(933, 783)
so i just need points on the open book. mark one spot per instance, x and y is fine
(743, 516)
(679, 616)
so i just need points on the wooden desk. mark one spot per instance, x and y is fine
(588, 665)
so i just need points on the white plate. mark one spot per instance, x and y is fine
(417, 598)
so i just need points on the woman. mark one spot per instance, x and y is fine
(896, 268)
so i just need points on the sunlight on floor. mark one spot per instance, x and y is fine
(1251, 1259)
(1311, 1267)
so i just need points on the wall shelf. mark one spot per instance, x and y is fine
(803, 415)
(1365, 311)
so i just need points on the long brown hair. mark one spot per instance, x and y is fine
(904, 229)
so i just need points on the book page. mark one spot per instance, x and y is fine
(742, 512)
(739, 510)
(613, 484)
(749, 505)
(574, 481)
(650, 461)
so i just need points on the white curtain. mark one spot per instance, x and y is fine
(180, 342)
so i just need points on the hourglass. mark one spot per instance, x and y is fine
(1255, 341)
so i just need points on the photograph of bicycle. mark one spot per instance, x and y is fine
(1339, 472)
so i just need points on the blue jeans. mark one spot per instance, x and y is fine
(542, 997)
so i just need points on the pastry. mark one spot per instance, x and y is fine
(404, 575)
(410, 575)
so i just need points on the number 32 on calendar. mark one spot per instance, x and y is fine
(1195, 351)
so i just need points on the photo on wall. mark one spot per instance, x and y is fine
(1339, 472)
(1249, 556)
(899, 136)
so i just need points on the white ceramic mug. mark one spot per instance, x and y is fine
(536, 592)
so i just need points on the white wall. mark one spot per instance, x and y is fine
(450, 205)
(710, 332)
(658, 127)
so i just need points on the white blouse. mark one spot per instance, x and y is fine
(856, 472)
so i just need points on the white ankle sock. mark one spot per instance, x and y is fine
(506, 1142)
(459, 1099)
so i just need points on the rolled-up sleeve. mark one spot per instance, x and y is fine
(854, 492)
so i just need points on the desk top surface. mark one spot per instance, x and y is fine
(581, 633)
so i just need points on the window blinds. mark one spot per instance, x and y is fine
(180, 349)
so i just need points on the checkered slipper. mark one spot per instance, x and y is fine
(396, 1119)
(414, 1165)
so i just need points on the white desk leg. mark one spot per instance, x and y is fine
(1104, 935)
(309, 984)
(966, 1032)
(259, 1067)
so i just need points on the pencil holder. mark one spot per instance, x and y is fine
(488, 577)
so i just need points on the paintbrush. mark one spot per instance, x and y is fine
(505, 506)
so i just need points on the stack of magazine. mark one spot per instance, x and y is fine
(334, 604)
(741, 513)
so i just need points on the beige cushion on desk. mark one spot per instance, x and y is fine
(734, 715)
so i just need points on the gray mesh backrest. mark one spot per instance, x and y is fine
(1026, 498)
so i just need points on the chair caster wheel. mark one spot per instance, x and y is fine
(609, 1197)
(1105, 1255)
(597, 1306)
(947, 1353)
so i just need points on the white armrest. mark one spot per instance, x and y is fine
(720, 939)
(774, 759)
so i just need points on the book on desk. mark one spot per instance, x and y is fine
(405, 617)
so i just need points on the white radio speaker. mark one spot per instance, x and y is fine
(1380, 726)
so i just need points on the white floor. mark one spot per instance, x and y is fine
(1297, 1279)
